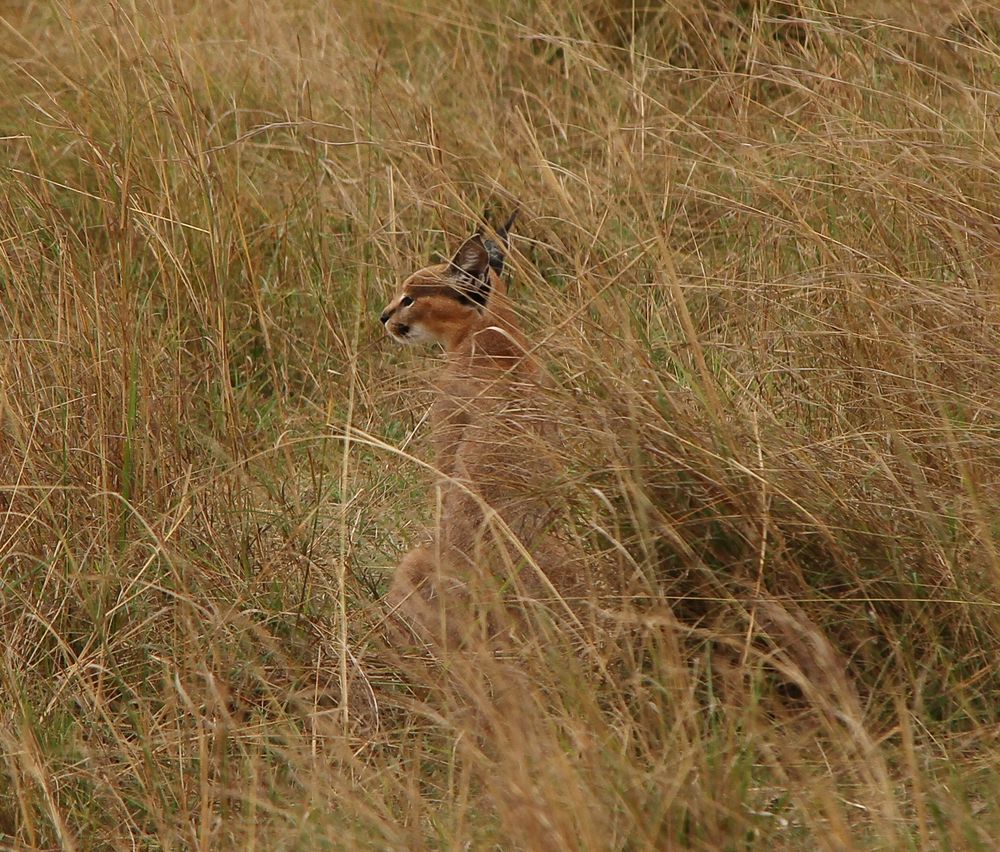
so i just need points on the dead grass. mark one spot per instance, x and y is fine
(759, 256)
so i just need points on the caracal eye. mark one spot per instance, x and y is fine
(405, 302)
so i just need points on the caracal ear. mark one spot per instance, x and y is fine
(472, 257)
(471, 266)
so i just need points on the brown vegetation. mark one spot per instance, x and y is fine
(758, 258)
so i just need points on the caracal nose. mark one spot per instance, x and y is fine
(385, 316)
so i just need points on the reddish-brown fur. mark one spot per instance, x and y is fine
(492, 439)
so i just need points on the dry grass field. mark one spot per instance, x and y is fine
(759, 254)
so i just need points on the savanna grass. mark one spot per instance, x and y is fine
(758, 254)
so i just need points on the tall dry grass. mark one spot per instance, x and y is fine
(759, 256)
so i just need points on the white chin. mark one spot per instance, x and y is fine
(414, 335)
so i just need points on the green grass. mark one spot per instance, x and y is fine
(758, 253)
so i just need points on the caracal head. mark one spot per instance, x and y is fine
(443, 302)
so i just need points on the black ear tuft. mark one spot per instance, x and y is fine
(504, 230)
(471, 266)
(497, 253)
